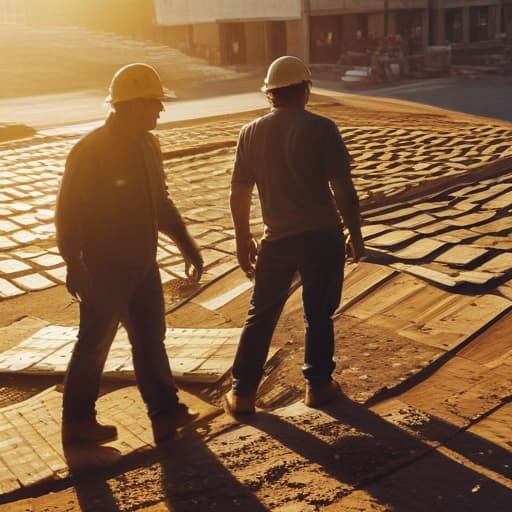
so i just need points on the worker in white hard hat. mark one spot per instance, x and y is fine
(112, 203)
(301, 167)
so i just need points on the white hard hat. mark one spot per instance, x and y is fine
(135, 81)
(285, 71)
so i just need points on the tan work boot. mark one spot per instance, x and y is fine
(318, 395)
(165, 425)
(236, 405)
(88, 431)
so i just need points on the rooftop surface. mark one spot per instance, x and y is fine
(424, 343)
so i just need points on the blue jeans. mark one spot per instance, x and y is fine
(319, 259)
(134, 298)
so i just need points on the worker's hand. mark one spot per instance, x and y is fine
(247, 252)
(77, 279)
(354, 248)
(194, 264)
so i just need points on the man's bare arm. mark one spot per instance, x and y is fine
(347, 202)
(246, 247)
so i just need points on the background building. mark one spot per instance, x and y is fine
(233, 32)
(469, 21)
(254, 32)
(333, 24)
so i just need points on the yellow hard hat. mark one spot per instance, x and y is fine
(285, 71)
(135, 81)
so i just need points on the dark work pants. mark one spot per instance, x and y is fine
(133, 297)
(319, 259)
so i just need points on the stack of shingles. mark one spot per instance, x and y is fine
(388, 160)
(459, 237)
(391, 162)
(28, 260)
(201, 134)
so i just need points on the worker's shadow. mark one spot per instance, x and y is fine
(365, 452)
(373, 454)
(193, 479)
(88, 465)
(183, 472)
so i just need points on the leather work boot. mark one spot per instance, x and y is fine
(236, 405)
(88, 431)
(318, 395)
(165, 425)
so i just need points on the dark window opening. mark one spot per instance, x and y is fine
(453, 24)
(233, 43)
(479, 23)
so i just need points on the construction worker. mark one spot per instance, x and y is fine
(295, 158)
(112, 203)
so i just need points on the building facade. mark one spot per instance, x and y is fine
(253, 32)
(469, 21)
(333, 24)
(234, 32)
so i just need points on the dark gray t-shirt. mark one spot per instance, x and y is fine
(291, 154)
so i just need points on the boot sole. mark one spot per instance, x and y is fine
(74, 439)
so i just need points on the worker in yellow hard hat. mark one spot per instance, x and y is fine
(111, 205)
(301, 167)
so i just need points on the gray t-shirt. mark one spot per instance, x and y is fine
(291, 154)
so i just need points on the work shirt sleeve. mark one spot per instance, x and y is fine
(242, 172)
(336, 156)
(68, 212)
(169, 219)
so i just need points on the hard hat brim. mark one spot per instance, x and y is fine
(266, 88)
(169, 96)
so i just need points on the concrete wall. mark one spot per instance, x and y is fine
(508, 22)
(206, 33)
(350, 6)
(297, 38)
(376, 24)
(12, 11)
(183, 12)
(407, 4)
(206, 42)
(256, 42)
(176, 37)
(317, 6)
(445, 4)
